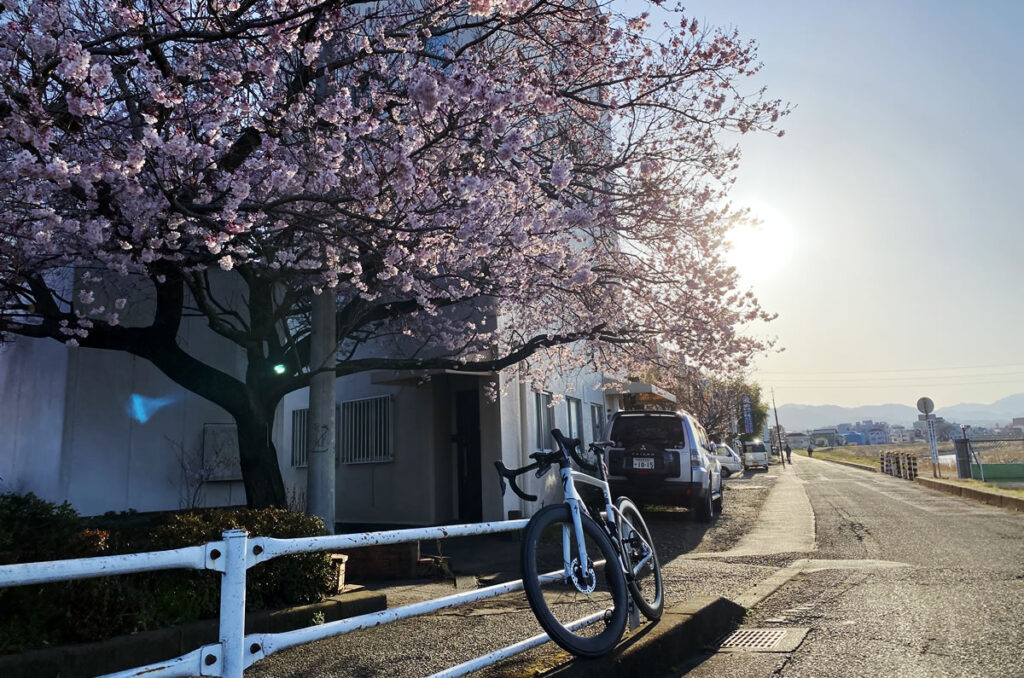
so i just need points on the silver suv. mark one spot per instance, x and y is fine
(664, 458)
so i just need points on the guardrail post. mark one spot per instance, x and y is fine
(232, 604)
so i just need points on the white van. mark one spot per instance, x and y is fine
(755, 455)
(730, 461)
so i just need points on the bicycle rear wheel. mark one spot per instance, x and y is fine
(561, 597)
(645, 585)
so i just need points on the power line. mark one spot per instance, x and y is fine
(1008, 377)
(889, 371)
(890, 386)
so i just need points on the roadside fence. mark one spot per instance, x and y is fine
(898, 464)
(232, 557)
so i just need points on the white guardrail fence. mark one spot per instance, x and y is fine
(233, 556)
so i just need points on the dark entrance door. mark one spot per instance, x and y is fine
(467, 450)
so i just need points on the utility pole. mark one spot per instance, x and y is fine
(778, 431)
(320, 436)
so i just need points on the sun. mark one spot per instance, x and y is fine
(760, 250)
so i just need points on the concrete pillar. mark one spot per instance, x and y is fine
(320, 440)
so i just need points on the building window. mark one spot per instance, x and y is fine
(543, 403)
(300, 435)
(300, 455)
(597, 421)
(365, 431)
(575, 408)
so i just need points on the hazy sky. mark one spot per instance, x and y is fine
(892, 243)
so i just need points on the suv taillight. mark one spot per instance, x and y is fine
(694, 458)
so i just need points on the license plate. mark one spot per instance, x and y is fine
(643, 463)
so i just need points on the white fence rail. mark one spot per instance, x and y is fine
(233, 556)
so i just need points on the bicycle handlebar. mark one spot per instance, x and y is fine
(570, 445)
(567, 446)
(510, 475)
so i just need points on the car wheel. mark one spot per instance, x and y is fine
(706, 510)
(726, 473)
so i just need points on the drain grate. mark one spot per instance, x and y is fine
(754, 639)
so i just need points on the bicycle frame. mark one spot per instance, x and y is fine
(613, 519)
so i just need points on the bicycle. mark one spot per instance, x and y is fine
(581, 601)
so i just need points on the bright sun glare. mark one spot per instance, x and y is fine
(761, 250)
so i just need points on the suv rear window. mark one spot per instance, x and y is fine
(654, 430)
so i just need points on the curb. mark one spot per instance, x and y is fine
(147, 647)
(654, 649)
(990, 498)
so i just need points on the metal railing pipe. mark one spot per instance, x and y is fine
(264, 644)
(232, 605)
(490, 658)
(23, 574)
(195, 663)
(265, 548)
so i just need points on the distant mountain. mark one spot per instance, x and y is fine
(805, 417)
(999, 412)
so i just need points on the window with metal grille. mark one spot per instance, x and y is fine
(300, 435)
(543, 411)
(364, 431)
(300, 455)
(575, 408)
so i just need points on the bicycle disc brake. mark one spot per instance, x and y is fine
(589, 578)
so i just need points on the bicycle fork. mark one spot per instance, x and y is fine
(586, 582)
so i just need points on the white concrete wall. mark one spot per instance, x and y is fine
(72, 428)
(581, 384)
(32, 390)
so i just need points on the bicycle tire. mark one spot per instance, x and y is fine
(557, 603)
(646, 587)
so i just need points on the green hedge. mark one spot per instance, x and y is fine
(94, 609)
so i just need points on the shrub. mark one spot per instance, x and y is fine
(300, 578)
(32, 529)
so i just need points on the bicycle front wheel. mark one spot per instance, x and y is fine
(641, 560)
(581, 605)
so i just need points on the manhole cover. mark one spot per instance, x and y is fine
(764, 640)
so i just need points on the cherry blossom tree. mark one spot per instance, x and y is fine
(479, 183)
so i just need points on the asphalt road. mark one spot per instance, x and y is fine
(902, 581)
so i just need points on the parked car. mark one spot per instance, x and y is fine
(664, 458)
(730, 461)
(755, 455)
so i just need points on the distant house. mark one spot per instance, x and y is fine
(901, 434)
(854, 438)
(877, 436)
(826, 437)
(797, 441)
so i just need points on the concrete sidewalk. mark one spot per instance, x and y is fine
(786, 524)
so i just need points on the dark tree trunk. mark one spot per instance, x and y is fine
(261, 473)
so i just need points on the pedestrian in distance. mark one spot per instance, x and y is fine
(789, 454)
(810, 449)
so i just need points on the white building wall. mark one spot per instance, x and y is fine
(32, 390)
(108, 431)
